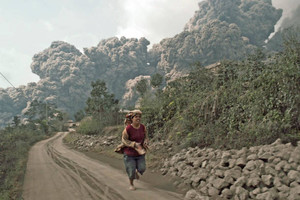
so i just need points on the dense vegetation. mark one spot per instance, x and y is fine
(15, 144)
(235, 104)
(101, 110)
(16, 140)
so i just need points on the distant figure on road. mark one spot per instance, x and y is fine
(135, 140)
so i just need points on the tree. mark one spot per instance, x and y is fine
(16, 121)
(101, 102)
(44, 114)
(156, 80)
(79, 115)
(142, 87)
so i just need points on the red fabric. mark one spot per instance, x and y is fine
(136, 135)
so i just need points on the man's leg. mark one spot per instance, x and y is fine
(141, 164)
(130, 165)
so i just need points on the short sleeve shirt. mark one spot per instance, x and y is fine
(136, 135)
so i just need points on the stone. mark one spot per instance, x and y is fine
(219, 183)
(266, 179)
(240, 181)
(276, 160)
(271, 159)
(250, 165)
(186, 173)
(226, 155)
(294, 176)
(203, 174)
(253, 181)
(204, 163)
(265, 156)
(252, 157)
(241, 162)
(264, 189)
(202, 184)
(283, 195)
(164, 171)
(284, 189)
(285, 180)
(197, 163)
(254, 149)
(229, 179)
(256, 191)
(284, 154)
(280, 165)
(270, 169)
(241, 193)
(193, 195)
(196, 178)
(287, 168)
(269, 195)
(195, 184)
(295, 192)
(219, 173)
(253, 193)
(232, 163)
(278, 141)
(204, 190)
(226, 194)
(294, 184)
(234, 173)
(213, 191)
(277, 183)
(242, 152)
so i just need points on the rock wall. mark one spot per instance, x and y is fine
(260, 172)
(95, 142)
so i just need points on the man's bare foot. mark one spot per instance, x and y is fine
(131, 188)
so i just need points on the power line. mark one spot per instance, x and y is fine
(8, 80)
(14, 86)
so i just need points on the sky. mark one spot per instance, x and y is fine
(28, 27)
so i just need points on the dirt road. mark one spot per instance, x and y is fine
(56, 172)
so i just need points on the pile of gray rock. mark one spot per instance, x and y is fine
(94, 142)
(260, 172)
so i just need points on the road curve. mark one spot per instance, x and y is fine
(56, 172)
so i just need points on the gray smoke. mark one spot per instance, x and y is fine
(218, 30)
(290, 10)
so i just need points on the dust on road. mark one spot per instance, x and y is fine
(56, 172)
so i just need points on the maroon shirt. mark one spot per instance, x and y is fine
(136, 135)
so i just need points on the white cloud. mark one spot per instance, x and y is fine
(155, 19)
(12, 66)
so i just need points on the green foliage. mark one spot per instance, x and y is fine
(235, 104)
(16, 120)
(156, 80)
(79, 115)
(101, 102)
(103, 110)
(90, 126)
(15, 143)
(142, 87)
(45, 117)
